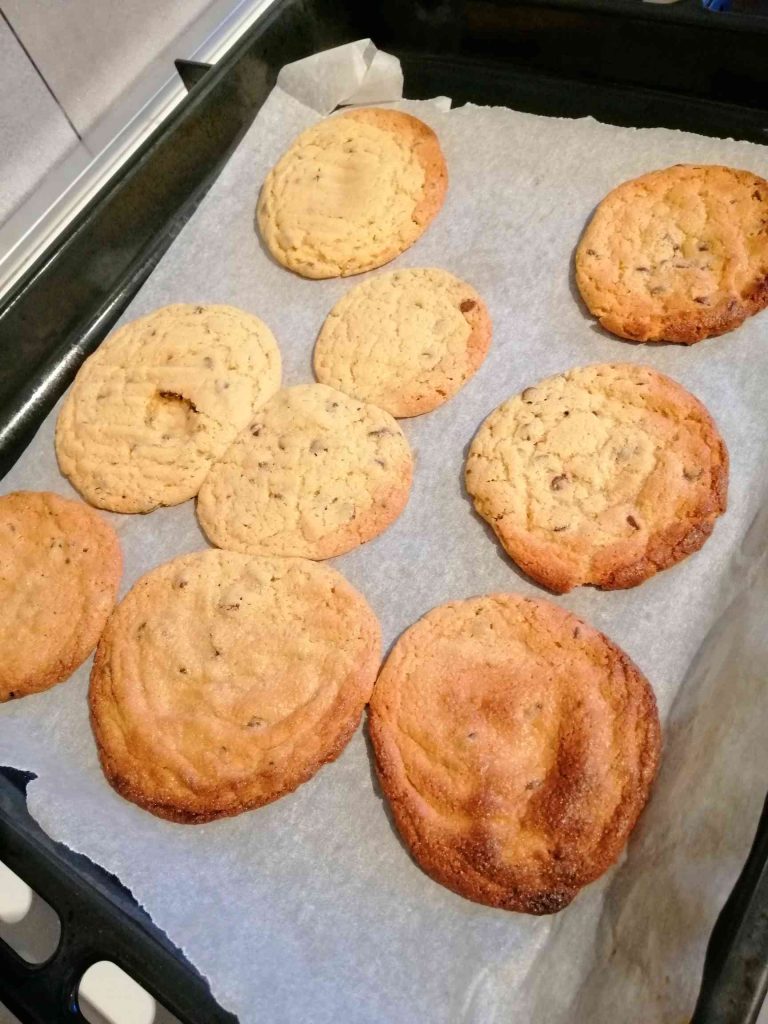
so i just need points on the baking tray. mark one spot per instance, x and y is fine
(620, 61)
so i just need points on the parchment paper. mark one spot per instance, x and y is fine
(310, 910)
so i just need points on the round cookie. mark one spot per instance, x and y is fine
(223, 682)
(352, 192)
(162, 398)
(316, 474)
(60, 567)
(406, 341)
(604, 475)
(516, 746)
(677, 255)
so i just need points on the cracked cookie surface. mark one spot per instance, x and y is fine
(223, 682)
(159, 400)
(352, 192)
(602, 475)
(407, 340)
(316, 474)
(60, 567)
(677, 255)
(516, 746)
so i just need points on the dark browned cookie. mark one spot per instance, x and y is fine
(516, 746)
(60, 567)
(677, 255)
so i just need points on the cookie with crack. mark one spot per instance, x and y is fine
(602, 475)
(160, 400)
(352, 192)
(316, 474)
(677, 255)
(222, 682)
(516, 746)
(407, 340)
(60, 567)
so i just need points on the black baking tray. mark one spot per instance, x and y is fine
(621, 61)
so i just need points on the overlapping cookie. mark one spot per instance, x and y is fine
(160, 399)
(315, 474)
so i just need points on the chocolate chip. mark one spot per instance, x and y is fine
(701, 299)
(263, 465)
(181, 584)
(703, 247)
(576, 632)
(381, 432)
(559, 482)
(643, 270)
(183, 670)
(467, 304)
(591, 252)
(633, 522)
(757, 194)
(256, 429)
(231, 607)
(199, 309)
(528, 395)
(559, 529)
(692, 474)
(471, 735)
(254, 723)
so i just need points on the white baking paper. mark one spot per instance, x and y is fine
(310, 910)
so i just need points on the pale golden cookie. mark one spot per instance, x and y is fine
(316, 474)
(60, 567)
(406, 340)
(677, 255)
(223, 682)
(160, 400)
(604, 475)
(352, 192)
(516, 746)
